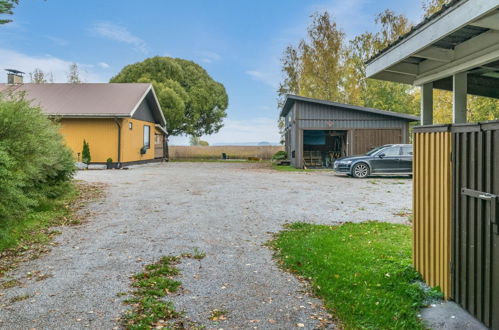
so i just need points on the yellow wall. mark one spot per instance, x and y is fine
(432, 208)
(102, 137)
(132, 140)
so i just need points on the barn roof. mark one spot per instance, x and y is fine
(291, 99)
(89, 100)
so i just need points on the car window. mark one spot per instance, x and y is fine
(407, 151)
(391, 151)
(373, 151)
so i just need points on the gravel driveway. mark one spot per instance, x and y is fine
(227, 210)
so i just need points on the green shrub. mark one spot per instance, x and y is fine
(280, 155)
(35, 165)
(85, 153)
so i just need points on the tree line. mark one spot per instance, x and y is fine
(327, 66)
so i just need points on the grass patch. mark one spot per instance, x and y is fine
(149, 308)
(195, 254)
(154, 283)
(218, 315)
(288, 168)
(29, 229)
(213, 160)
(27, 238)
(363, 272)
(20, 298)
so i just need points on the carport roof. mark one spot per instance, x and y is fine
(291, 99)
(462, 37)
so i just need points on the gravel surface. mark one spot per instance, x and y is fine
(227, 210)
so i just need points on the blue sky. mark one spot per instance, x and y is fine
(238, 42)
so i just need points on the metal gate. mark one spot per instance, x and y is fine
(475, 248)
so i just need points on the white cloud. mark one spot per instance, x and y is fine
(270, 78)
(119, 33)
(103, 65)
(209, 57)
(58, 41)
(254, 130)
(47, 63)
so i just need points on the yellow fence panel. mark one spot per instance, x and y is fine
(432, 169)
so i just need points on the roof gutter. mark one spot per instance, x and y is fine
(118, 124)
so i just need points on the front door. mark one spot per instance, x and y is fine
(386, 160)
(475, 223)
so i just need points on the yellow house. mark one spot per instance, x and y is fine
(121, 122)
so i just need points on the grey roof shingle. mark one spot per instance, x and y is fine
(86, 100)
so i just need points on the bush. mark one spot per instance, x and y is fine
(35, 165)
(85, 153)
(280, 155)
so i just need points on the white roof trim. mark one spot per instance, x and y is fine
(454, 18)
(150, 88)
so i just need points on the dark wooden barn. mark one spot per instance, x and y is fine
(317, 132)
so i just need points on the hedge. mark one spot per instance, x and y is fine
(35, 164)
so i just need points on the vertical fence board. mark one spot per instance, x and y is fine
(476, 250)
(432, 207)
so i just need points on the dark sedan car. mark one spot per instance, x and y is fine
(388, 159)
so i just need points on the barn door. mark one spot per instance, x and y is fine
(368, 139)
(475, 268)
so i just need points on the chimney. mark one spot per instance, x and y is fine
(14, 77)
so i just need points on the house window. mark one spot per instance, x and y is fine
(147, 136)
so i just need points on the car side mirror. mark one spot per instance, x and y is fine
(381, 155)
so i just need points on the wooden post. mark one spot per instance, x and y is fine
(427, 104)
(460, 88)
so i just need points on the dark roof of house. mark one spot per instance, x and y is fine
(88, 100)
(427, 19)
(291, 99)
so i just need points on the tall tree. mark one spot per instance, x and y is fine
(192, 102)
(6, 8)
(74, 74)
(314, 67)
(40, 77)
(430, 7)
(384, 94)
(325, 66)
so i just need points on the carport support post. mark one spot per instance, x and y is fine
(460, 88)
(427, 104)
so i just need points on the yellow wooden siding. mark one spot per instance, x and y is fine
(101, 135)
(132, 140)
(432, 208)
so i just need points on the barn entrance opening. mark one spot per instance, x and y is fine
(321, 148)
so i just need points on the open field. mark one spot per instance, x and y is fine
(226, 211)
(215, 152)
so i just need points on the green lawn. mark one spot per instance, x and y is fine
(215, 160)
(362, 271)
(31, 228)
(288, 168)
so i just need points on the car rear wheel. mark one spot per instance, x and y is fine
(360, 170)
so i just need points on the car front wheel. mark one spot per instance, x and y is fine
(360, 170)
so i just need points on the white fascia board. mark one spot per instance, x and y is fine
(480, 58)
(395, 77)
(489, 22)
(149, 89)
(460, 15)
(136, 107)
